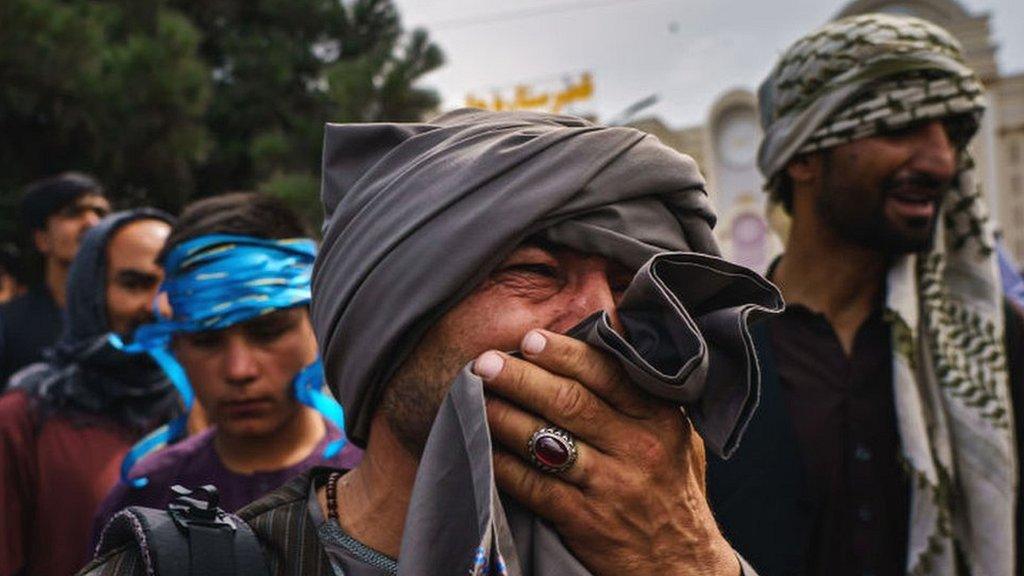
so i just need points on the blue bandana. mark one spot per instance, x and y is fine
(214, 282)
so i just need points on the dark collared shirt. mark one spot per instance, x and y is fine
(843, 414)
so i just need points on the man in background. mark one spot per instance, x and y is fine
(57, 212)
(66, 423)
(883, 444)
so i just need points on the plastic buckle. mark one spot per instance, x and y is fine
(198, 508)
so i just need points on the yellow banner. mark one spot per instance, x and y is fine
(523, 97)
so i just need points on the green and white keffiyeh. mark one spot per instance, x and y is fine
(859, 77)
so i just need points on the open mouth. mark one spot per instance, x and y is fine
(913, 202)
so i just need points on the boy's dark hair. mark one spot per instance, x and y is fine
(244, 213)
(45, 197)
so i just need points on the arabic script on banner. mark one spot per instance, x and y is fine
(523, 97)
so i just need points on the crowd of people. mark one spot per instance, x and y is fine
(516, 350)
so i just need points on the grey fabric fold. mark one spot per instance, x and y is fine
(686, 319)
(418, 215)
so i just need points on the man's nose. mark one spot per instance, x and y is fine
(594, 293)
(934, 152)
(161, 304)
(144, 305)
(240, 363)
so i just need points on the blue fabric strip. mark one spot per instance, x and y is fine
(213, 282)
(308, 386)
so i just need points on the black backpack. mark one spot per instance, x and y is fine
(193, 537)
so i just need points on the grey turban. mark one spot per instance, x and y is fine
(418, 214)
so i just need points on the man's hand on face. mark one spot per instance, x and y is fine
(634, 502)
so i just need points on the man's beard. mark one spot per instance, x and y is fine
(414, 394)
(134, 324)
(860, 218)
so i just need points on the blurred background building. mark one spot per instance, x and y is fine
(725, 145)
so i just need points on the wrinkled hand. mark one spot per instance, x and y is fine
(635, 500)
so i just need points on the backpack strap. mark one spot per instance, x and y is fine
(162, 548)
(193, 537)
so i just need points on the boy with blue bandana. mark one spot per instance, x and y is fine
(240, 339)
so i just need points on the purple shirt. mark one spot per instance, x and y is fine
(194, 462)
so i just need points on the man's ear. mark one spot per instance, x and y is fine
(42, 241)
(804, 169)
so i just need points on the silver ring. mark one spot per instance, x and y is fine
(552, 449)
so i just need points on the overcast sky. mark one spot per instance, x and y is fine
(685, 51)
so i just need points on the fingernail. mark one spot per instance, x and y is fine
(488, 365)
(534, 342)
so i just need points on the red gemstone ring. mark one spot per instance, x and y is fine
(552, 449)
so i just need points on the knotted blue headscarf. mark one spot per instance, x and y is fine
(216, 281)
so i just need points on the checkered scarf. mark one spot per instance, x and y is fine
(866, 75)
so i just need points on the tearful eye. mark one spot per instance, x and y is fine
(531, 279)
(537, 269)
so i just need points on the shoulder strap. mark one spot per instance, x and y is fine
(282, 522)
(193, 537)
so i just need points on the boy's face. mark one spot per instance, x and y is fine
(243, 374)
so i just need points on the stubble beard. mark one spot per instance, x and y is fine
(134, 324)
(868, 226)
(414, 395)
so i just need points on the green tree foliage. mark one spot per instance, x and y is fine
(92, 86)
(282, 68)
(168, 100)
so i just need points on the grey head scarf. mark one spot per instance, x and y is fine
(418, 214)
(83, 376)
(864, 76)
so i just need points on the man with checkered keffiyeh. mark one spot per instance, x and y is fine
(884, 443)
